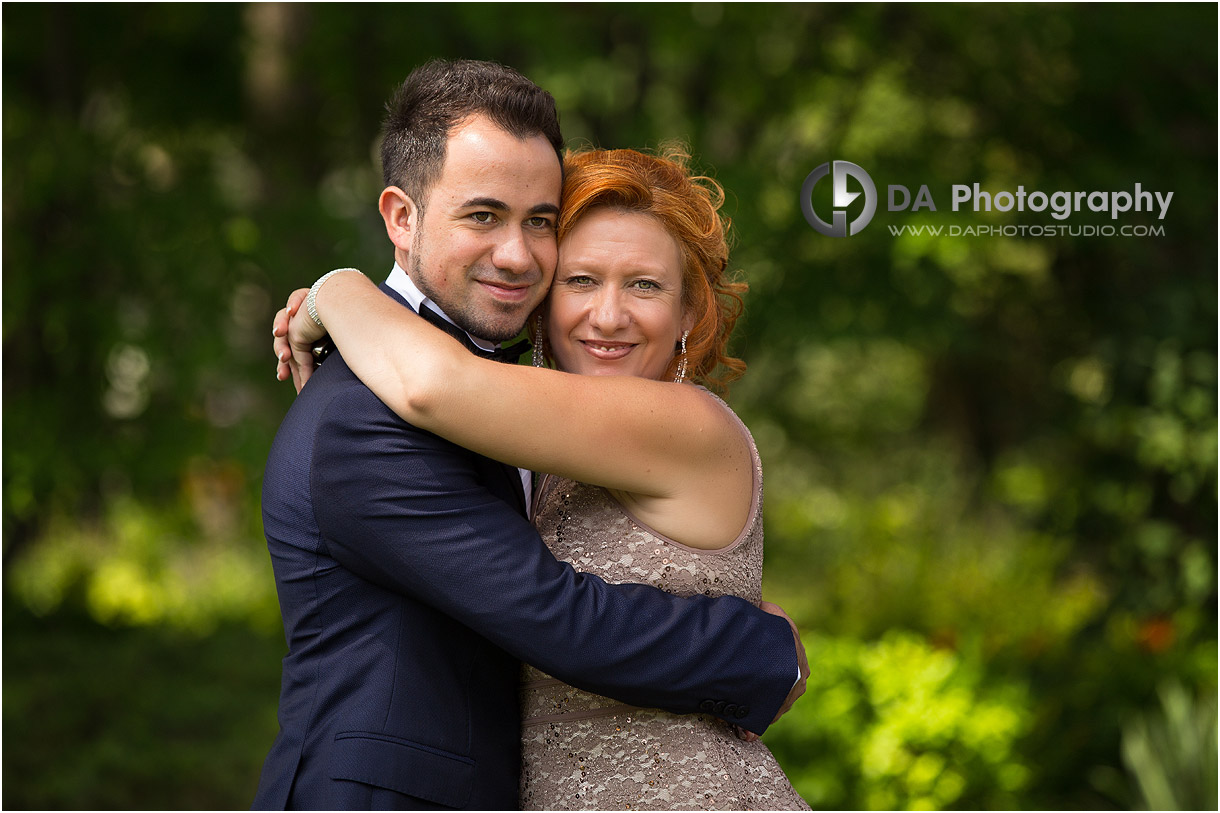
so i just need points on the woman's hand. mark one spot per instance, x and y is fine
(294, 336)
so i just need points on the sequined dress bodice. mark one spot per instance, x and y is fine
(585, 751)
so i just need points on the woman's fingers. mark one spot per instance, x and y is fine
(289, 364)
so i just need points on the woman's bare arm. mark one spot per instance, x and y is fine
(654, 440)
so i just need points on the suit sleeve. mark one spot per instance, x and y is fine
(405, 509)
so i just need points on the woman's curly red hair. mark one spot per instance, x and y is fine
(688, 206)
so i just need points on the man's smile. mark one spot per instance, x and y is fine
(506, 292)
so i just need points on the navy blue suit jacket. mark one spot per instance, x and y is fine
(411, 584)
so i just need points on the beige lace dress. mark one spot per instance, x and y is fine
(586, 752)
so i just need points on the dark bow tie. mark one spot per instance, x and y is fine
(508, 355)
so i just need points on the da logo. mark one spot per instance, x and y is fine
(840, 170)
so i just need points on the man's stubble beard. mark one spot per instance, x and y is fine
(466, 317)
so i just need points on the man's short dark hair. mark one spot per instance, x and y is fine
(441, 93)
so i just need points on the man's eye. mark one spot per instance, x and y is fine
(540, 222)
(482, 217)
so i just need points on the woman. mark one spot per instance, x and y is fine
(651, 480)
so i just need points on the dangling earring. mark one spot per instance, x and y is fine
(681, 374)
(538, 360)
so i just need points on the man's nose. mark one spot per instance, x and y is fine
(513, 254)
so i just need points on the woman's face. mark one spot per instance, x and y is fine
(616, 305)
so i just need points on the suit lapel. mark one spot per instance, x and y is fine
(511, 475)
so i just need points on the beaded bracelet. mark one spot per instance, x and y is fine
(311, 300)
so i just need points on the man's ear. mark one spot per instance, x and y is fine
(401, 216)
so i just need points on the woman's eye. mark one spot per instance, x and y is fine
(579, 281)
(647, 284)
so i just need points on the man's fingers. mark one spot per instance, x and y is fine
(802, 661)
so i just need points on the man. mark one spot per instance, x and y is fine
(409, 578)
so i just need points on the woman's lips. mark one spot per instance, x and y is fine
(607, 351)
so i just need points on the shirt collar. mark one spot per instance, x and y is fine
(405, 286)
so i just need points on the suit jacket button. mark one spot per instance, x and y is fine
(718, 708)
(706, 705)
(730, 709)
(742, 711)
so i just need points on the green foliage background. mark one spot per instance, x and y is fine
(990, 461)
